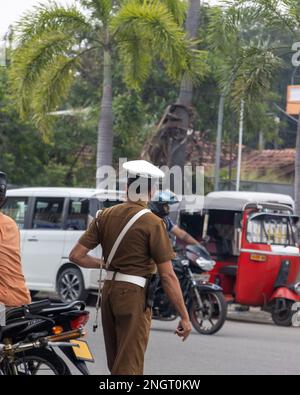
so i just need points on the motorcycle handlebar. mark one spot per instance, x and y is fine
(62, 344)
(53, 341)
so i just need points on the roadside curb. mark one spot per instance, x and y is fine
(254, 315)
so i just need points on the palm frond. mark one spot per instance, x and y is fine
(136, 59)
(54, 85)
(152, 28)
(177, 8)
(51, 17)
(282, 14)
(29, 62)
(101, 9)
(258, 67)
(232, 24)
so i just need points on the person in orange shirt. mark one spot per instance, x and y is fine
(13, 290)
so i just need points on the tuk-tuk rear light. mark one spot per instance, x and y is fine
(258, 258)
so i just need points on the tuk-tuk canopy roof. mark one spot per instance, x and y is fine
(236, 201)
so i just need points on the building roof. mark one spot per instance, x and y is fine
(281, 163)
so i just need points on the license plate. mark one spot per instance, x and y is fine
(201, 277)
(82, 351)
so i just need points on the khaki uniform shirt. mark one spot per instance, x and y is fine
(13, 291)
(146, 242)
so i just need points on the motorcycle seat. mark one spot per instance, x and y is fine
(230, 271)
(43, 308)
(33, 308)
(56, 308)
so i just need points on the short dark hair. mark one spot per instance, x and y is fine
(143, 182)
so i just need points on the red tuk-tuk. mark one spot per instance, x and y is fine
(252, 237)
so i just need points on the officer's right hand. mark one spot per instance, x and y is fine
(184, 329)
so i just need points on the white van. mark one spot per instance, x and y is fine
(51, 221)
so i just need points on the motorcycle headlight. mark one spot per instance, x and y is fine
(205, 265)
(297, 288)
(185, 262)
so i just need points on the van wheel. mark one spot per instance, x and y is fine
(70, 285)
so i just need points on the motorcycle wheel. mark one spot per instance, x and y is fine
(211, 318)
(283, 317)
(40, 362)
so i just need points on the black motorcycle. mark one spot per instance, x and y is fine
(32, 333)
(205, 301)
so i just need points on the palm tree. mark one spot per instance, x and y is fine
(283, 15)
(174, 136)
(52, 40)
(245, 64)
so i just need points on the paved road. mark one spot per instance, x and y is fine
(239, 348)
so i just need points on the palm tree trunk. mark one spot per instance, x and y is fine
(297, 171)
(192, 26)
(178, 143)
(105, 130)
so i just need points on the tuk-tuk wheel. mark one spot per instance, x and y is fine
(282, 312)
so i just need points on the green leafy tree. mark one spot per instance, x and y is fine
(130, 125)
(52, 41)
(286, 17)
(245, 61)
(19, 158)
(66, 157)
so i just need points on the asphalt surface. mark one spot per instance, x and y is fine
(254, 346)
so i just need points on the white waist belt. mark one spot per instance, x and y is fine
(137, 280)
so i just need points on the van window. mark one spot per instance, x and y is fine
(48, 213)
(99, 204)
(77, 214)
(16, 208)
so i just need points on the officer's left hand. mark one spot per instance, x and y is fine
(184, 329)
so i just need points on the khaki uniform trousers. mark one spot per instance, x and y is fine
(126, 326)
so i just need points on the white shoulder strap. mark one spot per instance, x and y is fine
(123, 233)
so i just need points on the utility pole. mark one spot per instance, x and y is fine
(241, 131)
(219, 141)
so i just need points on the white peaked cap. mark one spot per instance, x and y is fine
(143, 168)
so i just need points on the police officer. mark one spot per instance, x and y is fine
(126, 318)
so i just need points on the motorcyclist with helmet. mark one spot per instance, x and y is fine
(160, 205)
(13, 290)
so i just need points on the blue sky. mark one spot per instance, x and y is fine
(11, 10)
